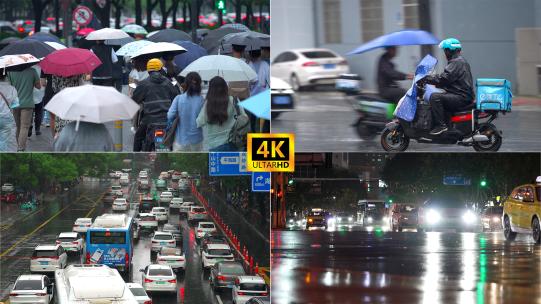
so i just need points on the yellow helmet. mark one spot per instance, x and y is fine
(154, 64)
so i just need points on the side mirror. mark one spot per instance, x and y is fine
(50, 288)
(141, 270)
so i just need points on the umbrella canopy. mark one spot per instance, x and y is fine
(132, 48)
(69, 62)
(169, 35)
(85, 31)
(160, 49)
(405, 37)
(252, 40)
(44, 37)
(121, 41)
(237, 26)
(107, 33)
(7, 41)
(194, 52)
(16, 62)
(259, 104)
(97, 104)
(27, 46)
(229, 68)
(134, 29)
(213, 38)
(55, 45)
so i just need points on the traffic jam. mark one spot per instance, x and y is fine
(147, 239)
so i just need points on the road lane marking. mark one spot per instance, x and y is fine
(7, 226)
(95, 204)
(219, 299)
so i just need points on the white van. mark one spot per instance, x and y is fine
(86, 284)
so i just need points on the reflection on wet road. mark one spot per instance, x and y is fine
(403, 267)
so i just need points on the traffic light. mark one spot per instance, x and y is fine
(290, 182)
(483, 183)
(220, 5)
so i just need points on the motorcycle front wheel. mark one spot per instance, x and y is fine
(495, 140)
(365, 132)
(394, 140)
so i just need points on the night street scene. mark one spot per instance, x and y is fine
(340, 68)
(130, 228)
(132, 75)
(407, 228)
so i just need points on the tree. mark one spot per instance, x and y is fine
(149, 8)
(118, 4)
(138, 13)
(103, 14)
(39, 7)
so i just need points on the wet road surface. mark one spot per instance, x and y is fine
(343, 267)
(18, 240)
(322, 121)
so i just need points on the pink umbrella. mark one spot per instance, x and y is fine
(70, 62)
(85, 31)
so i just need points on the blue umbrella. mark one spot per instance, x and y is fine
(194, 52)
(259, 104)
(405, 37)
(44, 37)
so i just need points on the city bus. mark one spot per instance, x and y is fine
(109, 241)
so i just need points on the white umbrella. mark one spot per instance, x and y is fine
(13, 61)
(55, 45)
(107, 33)
(229, 68)
(91, 103)
(160, 48)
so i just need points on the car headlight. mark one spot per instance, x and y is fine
(469, 217)
(385, 219)
(496, 219)
(291, 220)
(350, 219)
(338, 219)
(433, 216)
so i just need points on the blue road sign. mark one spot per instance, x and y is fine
(456, 181)
(261, 181)
(227, 163)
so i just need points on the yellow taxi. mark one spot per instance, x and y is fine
(522, 211)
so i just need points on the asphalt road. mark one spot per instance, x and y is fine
(322, 122)
(20, 234)
(360, 266)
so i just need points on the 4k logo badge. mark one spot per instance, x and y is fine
(271, 152)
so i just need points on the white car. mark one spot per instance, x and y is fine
(159, 278)
(8, 187)
(176, 202)
(160, 213)
(147, 221)
(70, 241)
(173, 257)
(32, 288)
(204, 228)
(125, 179)
(120, 204)
(162, 239)
(143, 174)
(166, 197)
(139, 293)
(303, 67)
(82, 224)
(48, 258)
(164, 175)
(247, 287)
(185, 207)
(197, 213)
(282, 97)
(117, 190)
(213, 253)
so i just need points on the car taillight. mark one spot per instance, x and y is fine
(343, 62)
(148, 280)
(41, 294)
(310, 64)
(153, 241)
(220, 278)
(148, 302)
(127, 260)
(57, 242)
(199, 230)
(264, 294)
(88, 258)
(240, 293)
(159, 133)
(174, 281)
(75, 242)
(53, 258)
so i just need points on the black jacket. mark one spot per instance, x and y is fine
(456, 78)
(155, 94)
(387, 75)
(103, 52)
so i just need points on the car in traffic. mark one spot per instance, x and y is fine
(282, 97)
(248, 287)
(159, 278)
(491, 218)
(197, 213)
(446, 211)
(147, 221)
(162, 239)
(204, 228)
(175, 230)
(139, 293)
(259, 300)
(224, 274)
(160, 213)
(173, 257)
(176, 202)
(48, 258)
(32, 288)
(403, 216)
(120, 204)
(117, 190)
(213, 253)
(124, 179)
(175, 176)
(304, 67)
(144, 184)
(213, 238)
(343, 219)
(522, 212)
(185, 208)
(71, 242)
(109, 198)
(372, 213)
(146, 204)
(82, 224)
(161, 184)
(316, 218)
(7, 187)
(164, 175)
(166, 197)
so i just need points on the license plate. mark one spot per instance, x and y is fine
(281, 100)
(171, 262)
(160, 283)
(163, 243)
(43, 263)
(82, 226)
(329, 66)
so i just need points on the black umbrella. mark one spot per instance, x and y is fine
(28, 46)
(43, 37)
(213, 39)
(9, 40)
(170, 35)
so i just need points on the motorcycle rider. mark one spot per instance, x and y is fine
(154, 94)
(388, 75)
(457, 82)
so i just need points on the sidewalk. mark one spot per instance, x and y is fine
(526, 101)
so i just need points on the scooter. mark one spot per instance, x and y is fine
(467, 127)
(154, 140)
(374, 114)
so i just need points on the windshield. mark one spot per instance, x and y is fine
(494, 210)
(44, 253)
(148, 218)
(163, 237)
(67, 239)
(160, 272)
(28, 285)
(406, 208)
(253, 286)
(234, 269)
(198, 209)
(318, 54)
(222, 252)
(107, 237)
(138, 292)
(207, 226)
